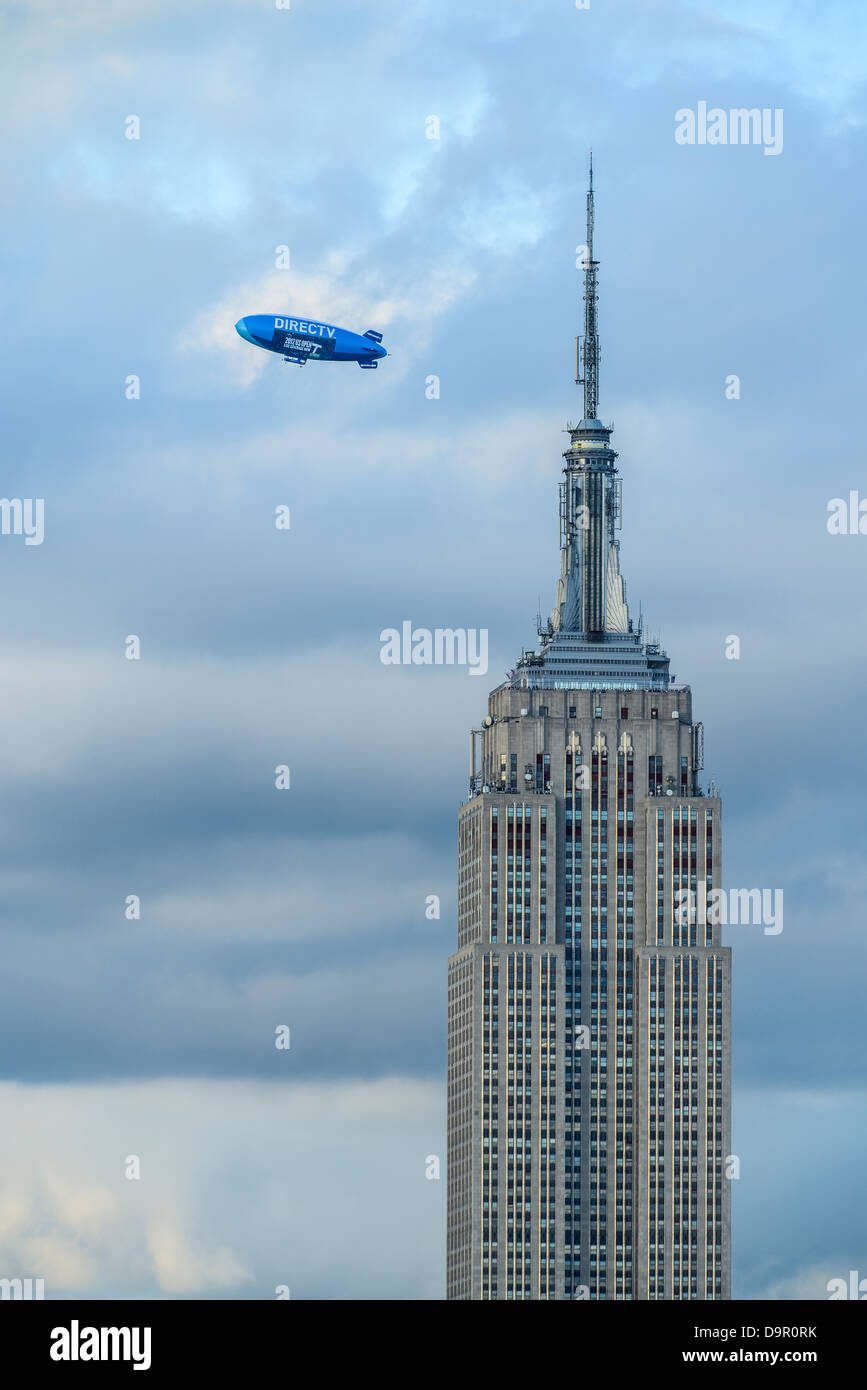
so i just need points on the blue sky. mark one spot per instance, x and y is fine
(306, 128)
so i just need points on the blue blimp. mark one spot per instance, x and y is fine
(308, 340)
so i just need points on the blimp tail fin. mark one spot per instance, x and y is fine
(369, 366)
(372, 333)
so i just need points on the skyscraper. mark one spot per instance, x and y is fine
(589, 1038)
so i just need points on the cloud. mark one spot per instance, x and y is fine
(179, 1270)
(236, 1184)
(51, 1224)
(333, 294)
(817, 57)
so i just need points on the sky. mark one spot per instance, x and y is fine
(307, 128)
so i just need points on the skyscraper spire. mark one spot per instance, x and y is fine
(590, 636)
(590, 378)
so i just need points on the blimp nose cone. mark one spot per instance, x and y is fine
(241, 327)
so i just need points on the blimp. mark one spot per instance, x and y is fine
(308, 340)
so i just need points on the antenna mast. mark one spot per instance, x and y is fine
(590, 379)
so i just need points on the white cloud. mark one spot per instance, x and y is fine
(334, 293)
(179, 1269)
(243, 1187)
(50, 1221)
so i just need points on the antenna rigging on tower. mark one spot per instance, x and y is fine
(589, 352)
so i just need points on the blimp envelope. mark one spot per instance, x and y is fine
(301, 340)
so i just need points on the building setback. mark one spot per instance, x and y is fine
(589, 1035)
